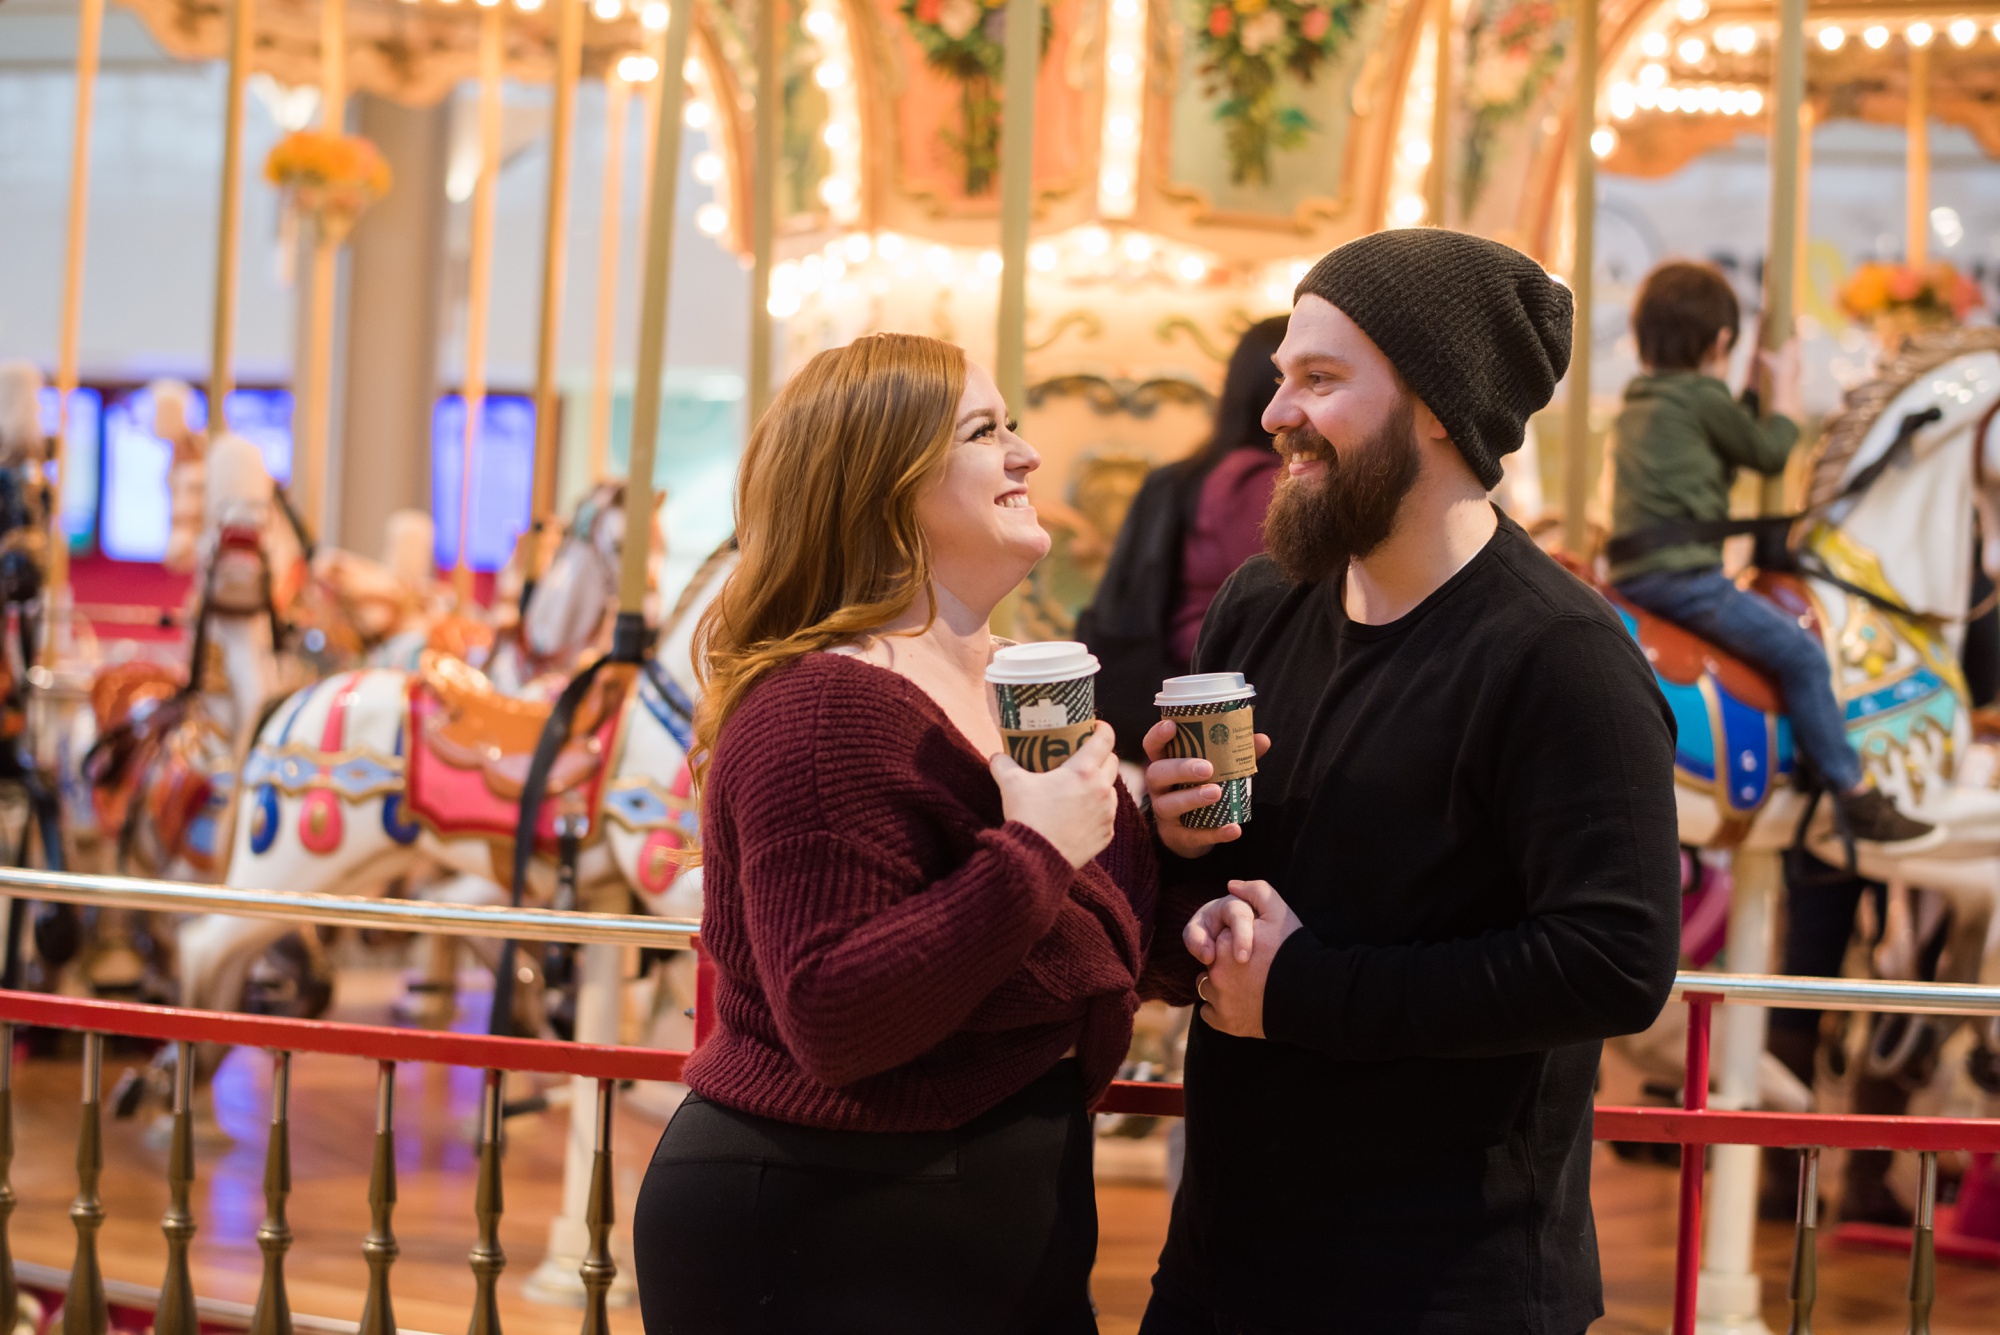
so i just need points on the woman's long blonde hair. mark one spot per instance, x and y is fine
(826, 515)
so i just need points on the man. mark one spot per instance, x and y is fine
(1460, 874)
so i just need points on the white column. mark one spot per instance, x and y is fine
(1731, 1294)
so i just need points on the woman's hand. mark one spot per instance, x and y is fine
(1074, 806)
(1164, 780)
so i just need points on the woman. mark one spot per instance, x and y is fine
(925, 955)
(1192, 523)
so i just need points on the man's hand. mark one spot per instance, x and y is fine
(1164, 778)
(1239, 956)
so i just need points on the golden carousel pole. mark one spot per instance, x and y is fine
(1441, 84)
(479, 283)
(1017, 167)
(229, 223)
(89, 39)
(764, 204)
(654, 287)
(315, 398)
(555, 236)
(1917, 111)
(617, 111)
(1576, 424)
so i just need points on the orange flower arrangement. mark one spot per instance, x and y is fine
(333, 177)
(1936, 294)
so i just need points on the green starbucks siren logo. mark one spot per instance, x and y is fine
(1218, 734)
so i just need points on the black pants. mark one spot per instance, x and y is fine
(1171, 1313)
(748, 1226)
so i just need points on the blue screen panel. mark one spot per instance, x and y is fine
(80, 460)
(503, 478)
(136, 510)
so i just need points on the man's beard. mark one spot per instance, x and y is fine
(1316, 526)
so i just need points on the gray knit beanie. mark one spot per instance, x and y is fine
(1478, 331)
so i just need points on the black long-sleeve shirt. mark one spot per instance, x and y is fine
(1471, 810)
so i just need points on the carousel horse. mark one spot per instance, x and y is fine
(1880, 571)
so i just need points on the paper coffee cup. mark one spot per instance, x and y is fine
(1048, 700)
(1211, 714)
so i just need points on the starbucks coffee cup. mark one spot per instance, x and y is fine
(1048, 700)
(1211, 714)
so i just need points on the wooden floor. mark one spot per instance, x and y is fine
(332, 1124)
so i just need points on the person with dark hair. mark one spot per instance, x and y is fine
(1193, 522)
(1677, 446)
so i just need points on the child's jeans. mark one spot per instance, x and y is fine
(1707, 603)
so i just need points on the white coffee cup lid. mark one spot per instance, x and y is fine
(1048, 660)
(1204, 688)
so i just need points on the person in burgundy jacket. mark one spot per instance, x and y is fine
(926, 956)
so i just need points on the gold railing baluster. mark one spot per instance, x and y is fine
(1923, 1247)
(10, 1292)
(599, 1268)
(1805, 1246)
(274, 1236)
(176, 1313)
(378, 1316)
(83, 1310)
(487, 1259)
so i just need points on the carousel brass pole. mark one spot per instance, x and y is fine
(1017, 188)
(229, 222)
(764, 203)
(315, 400)
(653, 293)
(617, 111)
(1918, 111)
(1781, 264)
(479, 283)
(1435, 179)
(555, 236)
(1576, 426)
(89, 38)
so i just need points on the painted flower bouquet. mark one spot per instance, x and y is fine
(332, 178)
(966, 41)
(1512, 49)
(1898, 299)
(1245, 45)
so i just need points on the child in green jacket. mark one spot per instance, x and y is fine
(1678, 443)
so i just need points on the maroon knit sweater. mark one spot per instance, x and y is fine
(891, 953)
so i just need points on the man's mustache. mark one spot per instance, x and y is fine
(1304, 439)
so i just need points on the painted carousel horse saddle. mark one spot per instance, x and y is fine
(470, 748)
(1732, 738)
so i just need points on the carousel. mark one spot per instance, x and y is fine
(367, 807)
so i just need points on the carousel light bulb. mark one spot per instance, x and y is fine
(1646, 98)
(691, 70)
(1094, 240)
(990, 264)
(1732, 101)
(940, 262)
(1919, 34)
(1115, 184)
(1692, 11)
(1832, 37)
(890, 246)
(836, 267)
(1753, 101)
(830, 74)
(1042, 257)
(1124, 65)
(1138, 247)
(821, 22)
(1602, 140)
(1876, 36)
(708, 168)
(782, 305)
(653, 18)
(1653, 45)
(812, 272)
(488, 4)
(712, 219)
(1711, 100)
(837, 191)
(1996, 32)
(835, 134)
(856, 248)
(697, 114)
(1409, 210)
(527, 6)
(1652, 75)
(1670, 99)
(1191, 268)
(1692, 50)
(1126, 9)
(1417, 152)
(606, 10)
(1963, 31)
(637, 68)
(1624, 100)
(1122, 129)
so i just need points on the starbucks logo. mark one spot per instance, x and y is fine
(1218, 734)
